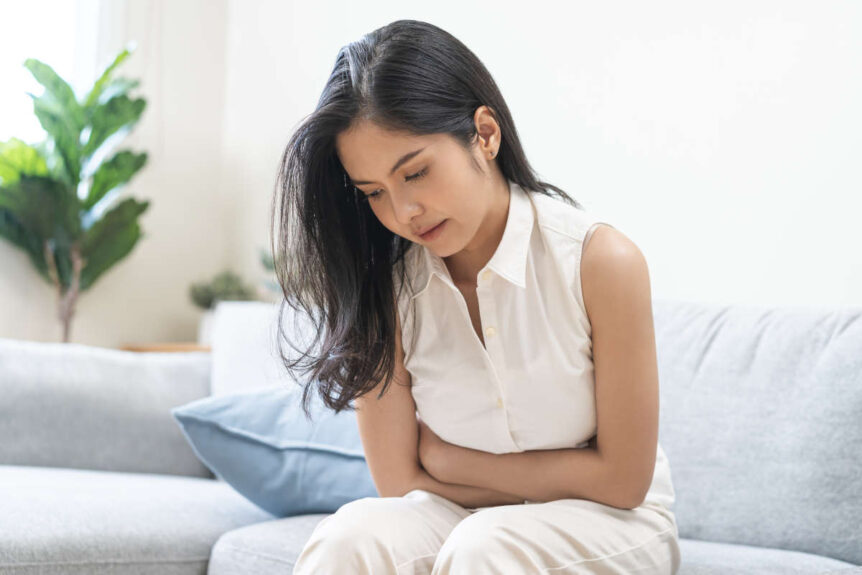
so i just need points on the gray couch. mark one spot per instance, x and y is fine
(761, 419)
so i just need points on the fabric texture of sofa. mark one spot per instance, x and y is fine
(760, 419)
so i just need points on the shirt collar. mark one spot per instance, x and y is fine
(510, 258)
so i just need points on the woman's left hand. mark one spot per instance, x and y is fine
(433, 452)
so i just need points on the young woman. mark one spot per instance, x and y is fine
(514, 426)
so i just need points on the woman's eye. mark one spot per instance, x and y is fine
(417, 175)
(376, 193)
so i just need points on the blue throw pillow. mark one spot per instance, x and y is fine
(261, 444)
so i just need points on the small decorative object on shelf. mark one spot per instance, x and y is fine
(163, 347)
(226, 286)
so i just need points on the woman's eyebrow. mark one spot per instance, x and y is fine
(406, 157)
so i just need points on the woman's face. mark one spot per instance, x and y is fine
(413, 183)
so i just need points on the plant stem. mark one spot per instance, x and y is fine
(67, 297)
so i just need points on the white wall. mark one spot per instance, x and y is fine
(723, 138)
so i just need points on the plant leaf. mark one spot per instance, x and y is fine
(112, 173)
(47, 207)
(118, 112)
(117, 87)
(66, 135)
(58, 90)
(12, 230)
(104, 80)
(17, 157)
(11, 199)
(110, 239)
(60, 115)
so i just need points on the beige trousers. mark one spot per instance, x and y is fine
(423, 532)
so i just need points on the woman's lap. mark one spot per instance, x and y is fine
(423, 532)
(381, 535)
(563, 536)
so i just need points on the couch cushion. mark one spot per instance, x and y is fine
(267, 548)
(87, 407)
(707, 558)
(263, 445)
(81, 522)
(760, 420)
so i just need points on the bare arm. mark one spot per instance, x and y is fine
(389, 430)
(537, 475)
(464, 495)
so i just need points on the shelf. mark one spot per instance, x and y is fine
(166, 347)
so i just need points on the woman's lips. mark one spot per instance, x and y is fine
(434, 232)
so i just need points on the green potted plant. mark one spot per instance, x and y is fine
(226, 286)
(57, 197)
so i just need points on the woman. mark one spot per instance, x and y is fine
(514, 426)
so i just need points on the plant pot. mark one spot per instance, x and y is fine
(205, 327)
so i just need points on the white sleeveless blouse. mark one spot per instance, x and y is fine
(532, 385)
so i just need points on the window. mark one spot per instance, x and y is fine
(48, 30)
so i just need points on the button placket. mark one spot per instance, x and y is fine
(488, 312)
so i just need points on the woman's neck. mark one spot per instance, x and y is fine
(464, 265)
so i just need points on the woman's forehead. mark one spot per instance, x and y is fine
(367, 133)
(364, 152)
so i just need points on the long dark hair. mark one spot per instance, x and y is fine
(333, 258)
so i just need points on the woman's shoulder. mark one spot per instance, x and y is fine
(563, 219)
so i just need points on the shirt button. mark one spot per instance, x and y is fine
(490, 332)
(499, 402)
(486, 275)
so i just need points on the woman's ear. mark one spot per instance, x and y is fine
(488, 131)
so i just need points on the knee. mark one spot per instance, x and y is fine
(481, 543)
(358, 536)
(360, 520)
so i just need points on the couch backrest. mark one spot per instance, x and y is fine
(87, 407)
(761, 420)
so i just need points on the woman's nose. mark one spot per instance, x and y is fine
(405, 207)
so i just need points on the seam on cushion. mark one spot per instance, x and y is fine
(103, 562)
(273, 558)
(641, 544)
